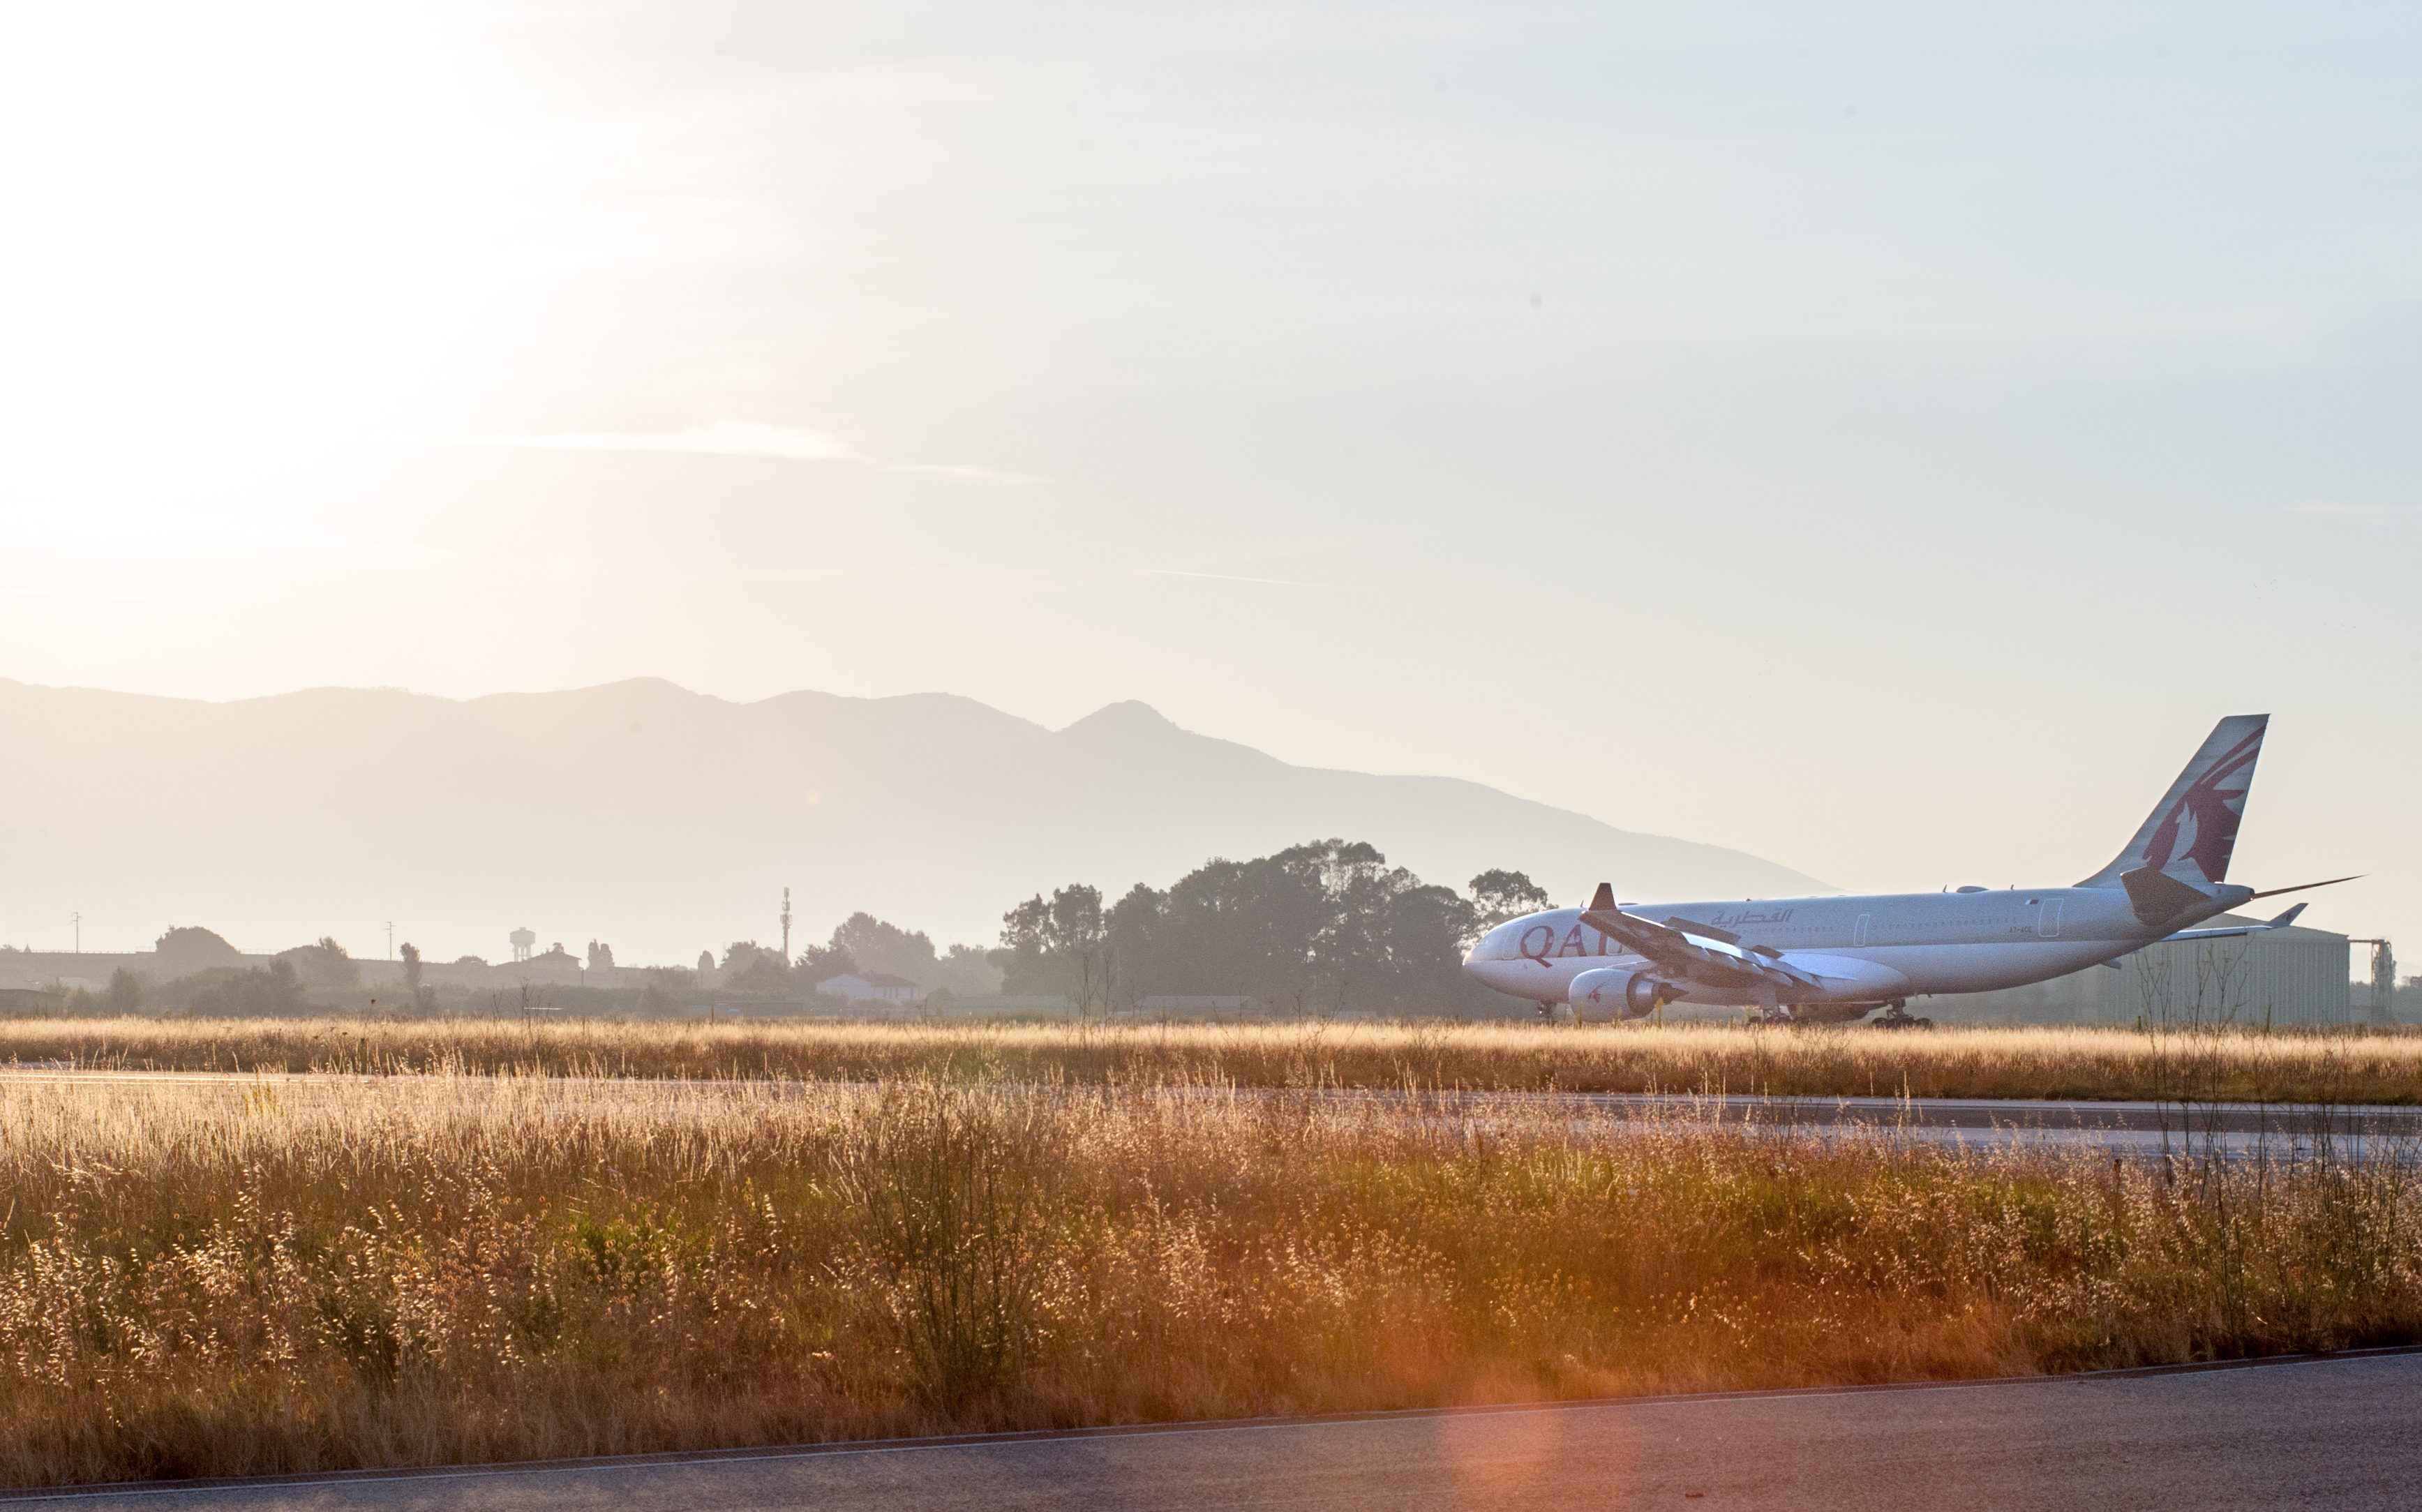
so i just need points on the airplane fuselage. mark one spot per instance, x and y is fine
(1872, 949)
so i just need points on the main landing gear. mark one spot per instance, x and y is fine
(1897, 1016)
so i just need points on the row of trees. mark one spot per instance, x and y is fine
(861, 945)
(1323, 927)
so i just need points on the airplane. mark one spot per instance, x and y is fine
(1837, 959)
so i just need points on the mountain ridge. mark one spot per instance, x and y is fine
(665, 821)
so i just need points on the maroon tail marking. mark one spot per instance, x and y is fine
(2216, 822)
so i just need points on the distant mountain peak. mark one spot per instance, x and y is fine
(663, 821)
(1126, 717)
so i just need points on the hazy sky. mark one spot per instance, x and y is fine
(1881, 438)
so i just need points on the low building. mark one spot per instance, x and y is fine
(2292, 976)
(1035, 1006)
(879, 986)
(1178, 1007)
(734, 1008)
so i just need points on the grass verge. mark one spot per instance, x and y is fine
(264, 1277)
(2209, 1065)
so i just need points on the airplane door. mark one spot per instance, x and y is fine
(1859, 930)
(2048, 919)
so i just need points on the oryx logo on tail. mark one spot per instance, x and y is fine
(2193, 832)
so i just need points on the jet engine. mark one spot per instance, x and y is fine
(1608, 994)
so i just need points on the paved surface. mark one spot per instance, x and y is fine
(2342, 1433)
(2235, 1128)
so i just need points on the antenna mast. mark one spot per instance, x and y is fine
(786, 926)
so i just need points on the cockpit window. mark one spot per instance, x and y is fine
(1499, 943)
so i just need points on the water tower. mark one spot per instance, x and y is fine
(523, 940)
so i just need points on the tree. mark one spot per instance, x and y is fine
(238, 993)
(601, 957)
(822, 962)
(1498, 896)
(705, 968)
(189, 949)
(872, 945)
(1060, 948)
(1318, 928)
(748, 967)
(125, 995)
(1133, 926)
(423, 997)
(324, 966)
(969, 972)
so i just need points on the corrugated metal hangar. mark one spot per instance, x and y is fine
(2292, 976)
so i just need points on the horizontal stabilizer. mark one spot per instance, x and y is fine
(2280, 922)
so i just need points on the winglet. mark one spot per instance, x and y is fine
(2288, 918)
(1602, 901)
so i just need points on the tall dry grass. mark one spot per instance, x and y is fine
(244, 1277)
(2215, 1064)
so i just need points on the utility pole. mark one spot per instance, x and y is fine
(79, 933)
(390, 939)
(786, 926)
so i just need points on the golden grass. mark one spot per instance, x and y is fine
(2040, 1063)
(297, 1274)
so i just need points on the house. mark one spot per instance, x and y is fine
(881, 987)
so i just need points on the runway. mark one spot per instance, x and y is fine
(2343, 1432)
(2232, 1130)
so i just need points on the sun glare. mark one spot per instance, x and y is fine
(235, 231)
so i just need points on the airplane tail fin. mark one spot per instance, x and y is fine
(2189, 836)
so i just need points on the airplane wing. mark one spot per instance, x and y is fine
(1700, 952)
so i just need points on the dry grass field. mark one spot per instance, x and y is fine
(290, 1274)
(2232, 1065)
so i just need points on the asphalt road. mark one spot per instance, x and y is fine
(2342, 1433)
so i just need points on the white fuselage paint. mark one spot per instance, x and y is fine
(1873, 948)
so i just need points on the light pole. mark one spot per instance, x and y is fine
(79, 932)
(390, 939)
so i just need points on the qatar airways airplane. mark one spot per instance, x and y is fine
(1840, 958)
